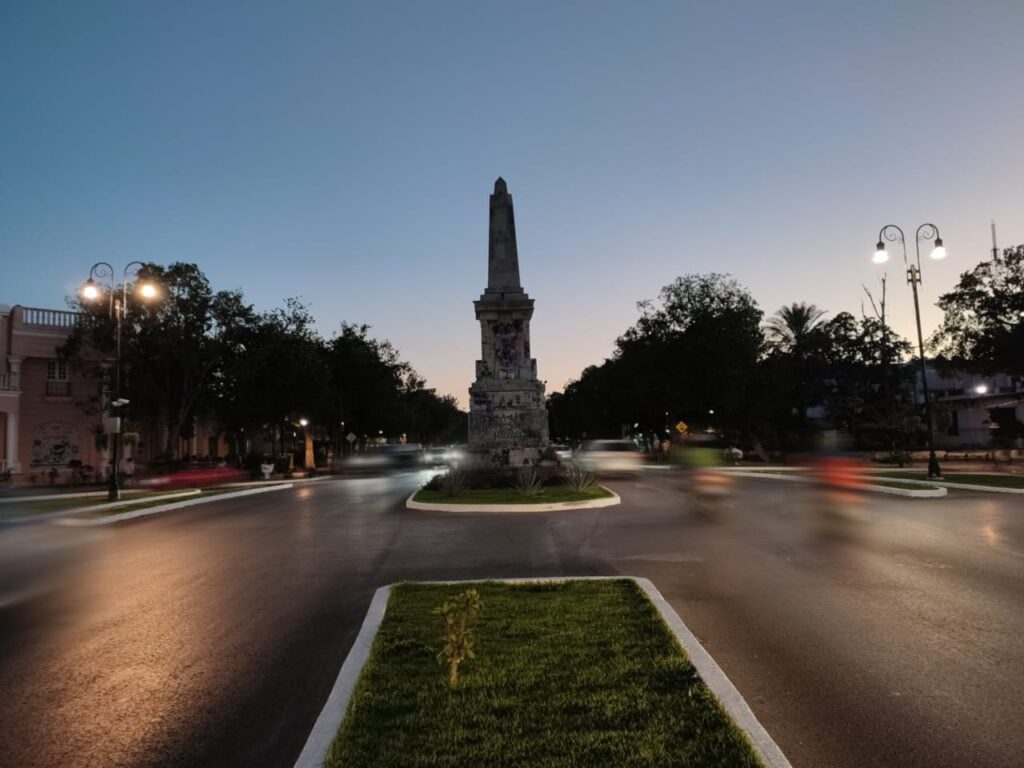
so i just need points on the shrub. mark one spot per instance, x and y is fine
(577, 478)
(453, 482)
(528, 482)
(457, 615)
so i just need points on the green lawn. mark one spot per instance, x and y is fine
(968, 478)
(582, 674)
(550, 494)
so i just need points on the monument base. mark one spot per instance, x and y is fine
(508, 424)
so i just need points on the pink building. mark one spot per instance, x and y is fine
(43, 423)
(50, 411)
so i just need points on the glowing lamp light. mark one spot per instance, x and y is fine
(147, 290)
(981, 389)
(881, 255)
(939, 252)
(90, 291)
(303, 422)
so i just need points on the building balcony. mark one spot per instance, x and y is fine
(52, 319)
(58, 388)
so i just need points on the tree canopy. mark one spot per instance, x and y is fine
(196, 353)
(700, 354)
(983, 325)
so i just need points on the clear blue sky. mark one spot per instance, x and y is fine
(344, 153)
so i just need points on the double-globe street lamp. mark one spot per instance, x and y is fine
(117, 308)
(925, 232)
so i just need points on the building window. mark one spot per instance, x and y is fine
(57, 384)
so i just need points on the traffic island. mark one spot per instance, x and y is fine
(134, 510)
(890, 486)
(550, 499)
(584, 672)
(963, 481)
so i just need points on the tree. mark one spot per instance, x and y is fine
(796, 344)
(273, 374)
(371, 389)
(691, 352)
(170, 348)
(195, 353)
(863, 394)
(983, 326)
(794, 329)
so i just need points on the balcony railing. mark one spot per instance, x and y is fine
(48, 318)
(55, 388)
(8, 382)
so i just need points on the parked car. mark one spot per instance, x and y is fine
(611, 456)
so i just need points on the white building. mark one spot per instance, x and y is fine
(968, 407)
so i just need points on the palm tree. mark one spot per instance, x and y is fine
(792, 329)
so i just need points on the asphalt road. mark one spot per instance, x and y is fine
(887, 633)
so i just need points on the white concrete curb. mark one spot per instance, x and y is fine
(760, 468)
(129, 502)
(70, 511)
(559, 506)
(265, 483)
(327, 724)
(716, 681)
(959, 486)
(924, 493)
(125, 492)
(110, 519)
(329, 721)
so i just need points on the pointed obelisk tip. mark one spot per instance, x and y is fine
(500, 186)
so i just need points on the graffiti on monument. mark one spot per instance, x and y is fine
(54, 444)
(496, 427)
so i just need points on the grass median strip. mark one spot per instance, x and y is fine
(580, 674)
(28, 508)
(549, 495)
(157, 501)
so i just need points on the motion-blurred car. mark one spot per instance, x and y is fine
(195, 478)
(562, 452)
(31, 557)
(386, 458)
(435, 456)
(611, 457)
(456, 454)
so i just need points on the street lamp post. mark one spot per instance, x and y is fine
(117, 310)
(925, 232)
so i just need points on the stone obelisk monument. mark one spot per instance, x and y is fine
(508, 423)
